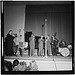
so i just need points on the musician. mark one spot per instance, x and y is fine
(62, 44)
(41, 40)
(9, 43)
(32, 44)
(20, 42)
(21, 45)
(16, 41)
(48, 46)
(54, 43)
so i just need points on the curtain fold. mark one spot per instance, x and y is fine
(58, 20)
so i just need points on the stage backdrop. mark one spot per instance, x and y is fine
(14, 17)
(59, 19)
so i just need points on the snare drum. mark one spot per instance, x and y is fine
(64, 51)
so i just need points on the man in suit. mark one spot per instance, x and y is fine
(32, 44)
(54, 43)
(41, 45)
(16, 41)
(9, 43)
(48, 40)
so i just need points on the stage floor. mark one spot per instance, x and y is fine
(50, 63)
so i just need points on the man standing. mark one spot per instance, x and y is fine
(16, 41)
(9, 43)
(54, 43)
(41, 45)
(32, 44)
(48, 46)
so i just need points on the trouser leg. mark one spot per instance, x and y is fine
(31, 52)
(50, 51)
(39, 52)
(20, 51)
(54, 51)
(16, 48)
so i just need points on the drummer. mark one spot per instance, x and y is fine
(63, 50)
(62, 44)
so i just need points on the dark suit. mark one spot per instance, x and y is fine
(9, 45)
(54, 43)
(62, 44)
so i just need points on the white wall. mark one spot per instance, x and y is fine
(14, 18)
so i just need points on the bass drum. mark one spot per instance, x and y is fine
(65, 52)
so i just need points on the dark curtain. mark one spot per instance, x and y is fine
(59, 19)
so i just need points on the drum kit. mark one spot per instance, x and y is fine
(66, 51)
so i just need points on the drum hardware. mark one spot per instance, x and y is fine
(69, 47)
(64, 51)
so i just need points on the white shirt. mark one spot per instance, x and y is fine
(16, 40)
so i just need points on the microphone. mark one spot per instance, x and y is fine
(42, 25)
